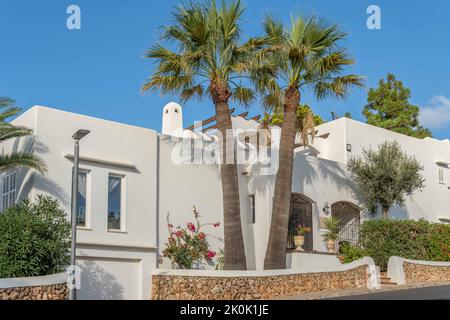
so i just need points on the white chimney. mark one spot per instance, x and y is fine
(172, 119)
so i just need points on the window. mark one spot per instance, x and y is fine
(9, 190)
(441, 175)
(252, 209)
(114, 202)
(247, 149)
(81, 199)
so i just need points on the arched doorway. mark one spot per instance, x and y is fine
(349, 216)
(300, 213)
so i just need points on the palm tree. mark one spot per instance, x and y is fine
(307, 56)
(9, 131)
(210, 60)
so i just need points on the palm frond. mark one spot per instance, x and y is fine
(274, 31)
(190, 92)
(8, 131)
(22, 159)
(337, 87)
(273, 100)
(8, 108)
(243, 95)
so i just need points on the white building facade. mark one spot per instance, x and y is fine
(129, 183)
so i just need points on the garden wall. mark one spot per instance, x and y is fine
(403, 271)
(51, 287)
(254, 285)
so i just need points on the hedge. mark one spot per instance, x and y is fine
(418, 240)
(34, 239)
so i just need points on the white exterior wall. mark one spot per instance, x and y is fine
(155, 186)
(433, 201)
(115, 255)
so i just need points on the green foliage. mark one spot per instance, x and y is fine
(332, 228)
(307, 54)
(9, 131)
(303, 112)
(34, 239)
(419, 240)
(208, 55)
(301, 231)
(350, 253)
(186, 246)
(388, 107)
(385, 176)
(220, 261)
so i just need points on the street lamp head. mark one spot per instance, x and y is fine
(80, 134)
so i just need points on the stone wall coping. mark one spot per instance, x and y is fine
(49, 280)
(395, 267)
(258, 273)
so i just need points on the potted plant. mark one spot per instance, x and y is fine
(299, 239)
(332, 233)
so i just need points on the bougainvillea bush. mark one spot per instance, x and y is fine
(189, 245)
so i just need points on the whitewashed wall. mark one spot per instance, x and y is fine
(111, 148)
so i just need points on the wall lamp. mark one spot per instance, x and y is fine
(326, 208)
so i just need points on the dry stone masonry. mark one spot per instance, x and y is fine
(51, 292)
(175, 287)
(416, 273)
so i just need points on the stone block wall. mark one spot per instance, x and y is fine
(50, 292)
(180, 287)
(415, 273)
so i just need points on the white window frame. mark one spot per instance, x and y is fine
(9, 181)
(123, 226)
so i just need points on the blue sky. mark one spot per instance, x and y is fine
(99, 69)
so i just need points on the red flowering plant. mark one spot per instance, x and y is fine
(189, 245)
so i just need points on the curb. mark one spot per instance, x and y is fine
(362, 291)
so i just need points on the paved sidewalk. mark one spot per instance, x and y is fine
(361, 291)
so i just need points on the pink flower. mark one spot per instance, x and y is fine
(179, 234)
(217, 224)
(191, 227)
(211, 254)
(201, 236)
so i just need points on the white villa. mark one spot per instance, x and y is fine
(129, 183)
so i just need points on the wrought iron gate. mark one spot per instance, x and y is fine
(300, 213)
(349, 216)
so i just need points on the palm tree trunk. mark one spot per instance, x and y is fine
(276, 247)
(234, 252)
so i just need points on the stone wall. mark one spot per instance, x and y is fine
(180, 287)
(415, 273)
(51, 292)
(51, 287)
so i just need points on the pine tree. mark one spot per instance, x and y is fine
(388, 107)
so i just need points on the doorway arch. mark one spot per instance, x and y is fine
(300, 213)
(349, 215)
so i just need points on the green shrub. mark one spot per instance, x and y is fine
(349, 253)
(438, 244)
(34, 239)
(419, 240)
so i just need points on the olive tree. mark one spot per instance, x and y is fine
(384, 177)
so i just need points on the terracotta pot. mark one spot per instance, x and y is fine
(299, 241)
(331, 246)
